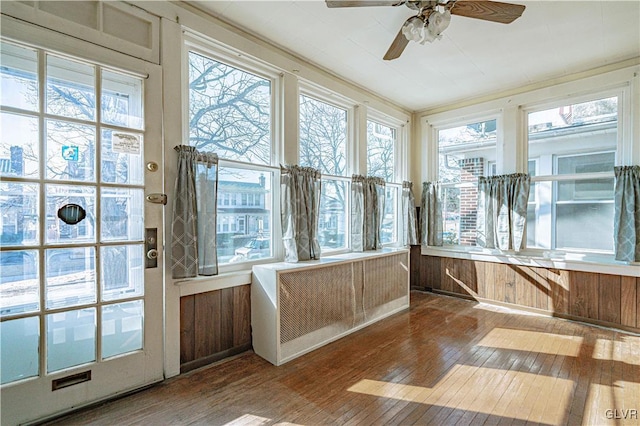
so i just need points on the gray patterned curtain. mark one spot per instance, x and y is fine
(431, 215)
(357, 213)
(626, 223)
(193, 226)
(409, 223)
(502, 211)
(367, 210)
(207, 201)
(300, 208)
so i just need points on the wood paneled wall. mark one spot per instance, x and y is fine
(604, 299)
(214, 325)
(217, 324)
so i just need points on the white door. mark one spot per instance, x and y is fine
(80, 302)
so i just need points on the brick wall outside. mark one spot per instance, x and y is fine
(470, 169)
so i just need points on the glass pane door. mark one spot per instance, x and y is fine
(72, 222)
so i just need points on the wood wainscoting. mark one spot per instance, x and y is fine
(602, 299)
(214, 325)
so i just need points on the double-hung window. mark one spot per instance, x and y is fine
(382, 142)
(466, 151)
(573, 148)
(323, 145)
(231, 113)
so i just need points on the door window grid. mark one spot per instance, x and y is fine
(42, 250)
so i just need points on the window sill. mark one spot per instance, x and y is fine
(344, 257)
(587, 262)
(197, 285)
(190, 286)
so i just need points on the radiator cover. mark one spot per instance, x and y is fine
(296, 308)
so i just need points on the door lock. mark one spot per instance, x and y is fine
(151, 247)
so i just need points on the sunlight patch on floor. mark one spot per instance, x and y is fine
(248, 419)
(532, 341)
(484, 390)
(251, 420)
(617, 404)
(506, 310)
(616, 350)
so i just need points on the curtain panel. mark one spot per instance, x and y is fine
(626, 222)
(409, 222)
(502, 211)
(193, 226)
(299, 212)
(367, 210)
(431, 215)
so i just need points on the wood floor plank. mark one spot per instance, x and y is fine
(444, 361)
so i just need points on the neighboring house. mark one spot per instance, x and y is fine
(242, 215)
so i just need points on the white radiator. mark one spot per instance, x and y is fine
(296, 308)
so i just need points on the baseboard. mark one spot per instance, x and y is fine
(538, 311)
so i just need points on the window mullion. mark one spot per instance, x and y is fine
(42, 66)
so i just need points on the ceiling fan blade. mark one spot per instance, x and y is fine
(493, 11)
(397, 46)
(362, 3)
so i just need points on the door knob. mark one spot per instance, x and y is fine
(152, 254)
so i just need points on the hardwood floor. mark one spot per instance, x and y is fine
(445, 361)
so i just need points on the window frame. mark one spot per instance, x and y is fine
(513, 154)
(399, 164)
(438, 126)
(552, 180)
(333, 99)
(216, 52)
(338, 101)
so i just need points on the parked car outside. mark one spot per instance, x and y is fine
(257, 248)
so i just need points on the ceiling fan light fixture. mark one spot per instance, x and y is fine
(438, 22)
(434, 16)
(414, 29)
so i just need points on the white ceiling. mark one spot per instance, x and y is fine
(474, 58)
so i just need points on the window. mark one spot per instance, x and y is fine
(390, 219)
(381, 154)
(574, 150)
(323, 136)
(465, 152)
(381, 141)
(230, 113)
(532, 204)
(242, 224)
(323, 145)
(333, 218)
